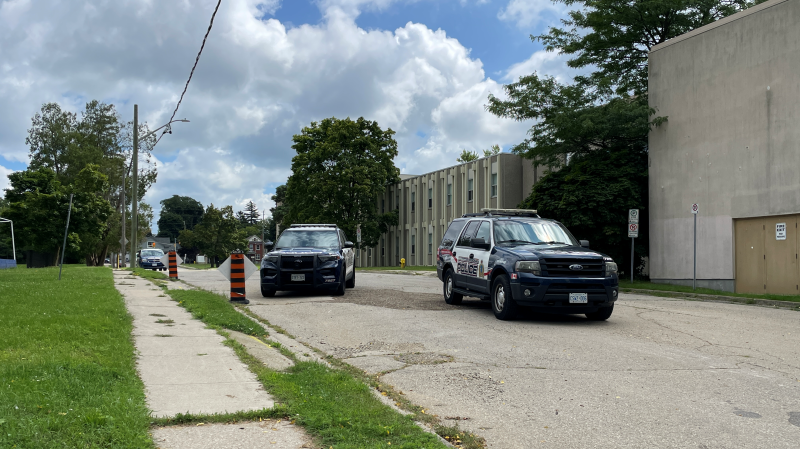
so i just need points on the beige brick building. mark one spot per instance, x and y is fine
(428, 203)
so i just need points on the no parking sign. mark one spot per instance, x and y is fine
(633, 230)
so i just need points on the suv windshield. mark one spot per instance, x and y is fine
(308, 239)
(536, 233)
(152, 253)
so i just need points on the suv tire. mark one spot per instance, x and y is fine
(602, 314)
(266, 292)
(503, 304)
(351, 283)
(450, 297)
(340, 289)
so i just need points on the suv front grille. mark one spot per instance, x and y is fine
(561, 268)
(297, 262)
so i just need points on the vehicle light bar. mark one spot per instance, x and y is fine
(312, 226)
(505, 212)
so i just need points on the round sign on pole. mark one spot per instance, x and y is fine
(695, 208)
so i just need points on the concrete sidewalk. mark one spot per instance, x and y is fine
(184, 366)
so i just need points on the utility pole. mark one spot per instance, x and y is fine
(135, 186)
(121, 262)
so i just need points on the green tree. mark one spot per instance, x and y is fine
(340, 168)
(178, 213)
(251, 212)
(467, 156)
(217, 234)
(591, 196)
(495, 149)
(281, 209)
(38, 204)
(603, 116)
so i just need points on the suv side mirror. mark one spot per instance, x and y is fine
(268, 244)
(480, 244)
(348, 244)
(585, 243)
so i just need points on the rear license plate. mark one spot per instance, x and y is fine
(298, 277)
(578, 298)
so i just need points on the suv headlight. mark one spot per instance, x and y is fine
(528, 266)
(269, 259)
(611, 267)
(329, 257)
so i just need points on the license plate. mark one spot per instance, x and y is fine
(298, 277)
(578, 298)
(155, 264)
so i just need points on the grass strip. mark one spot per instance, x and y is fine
(215, 310)
(414, 268)
(645, 285)
(336, 408)
(279, 411)
(147, 274)
(67, 366)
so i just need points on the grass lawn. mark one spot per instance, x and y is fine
(417, 268)
(67, 372)
(646, 285)
(197, 266)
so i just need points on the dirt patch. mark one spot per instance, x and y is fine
(424, 358)
(394, 299)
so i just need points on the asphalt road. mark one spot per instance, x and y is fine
(660, 373)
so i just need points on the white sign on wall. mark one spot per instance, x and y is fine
(780, 231)
(695, 208)
(633, 216)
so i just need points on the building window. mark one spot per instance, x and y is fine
(397, 201)
(430, 197)
(383, 247)
(383, 206)
(470, 185)
(430, 243)
(258, 257)
(449, 194)
(258, 247)
(397, 247)
(413, 244)
(413, 200)
(494, 185)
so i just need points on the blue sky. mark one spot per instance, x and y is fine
(424, 68)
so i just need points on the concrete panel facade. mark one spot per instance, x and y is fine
(428, 203)
(731, 92)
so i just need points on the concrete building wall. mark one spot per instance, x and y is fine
(428, 222)
(731, 92)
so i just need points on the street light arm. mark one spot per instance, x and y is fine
(162, 127)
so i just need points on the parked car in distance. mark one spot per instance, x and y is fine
(150, 259)
(306, 257)
(514, 257)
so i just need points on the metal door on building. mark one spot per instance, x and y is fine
(767, 255)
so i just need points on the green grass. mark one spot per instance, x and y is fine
(337, 409)
(415, 268)
(645, 285)
(198, 266)
(215, 310)
(67, 367)
(148, 274)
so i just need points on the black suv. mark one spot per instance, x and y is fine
(309, 256)
(514, 257)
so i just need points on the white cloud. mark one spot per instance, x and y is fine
(257, 84)
(4, 184)
(527, 13)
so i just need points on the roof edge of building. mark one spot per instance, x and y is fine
(718, 23)
(459, 165)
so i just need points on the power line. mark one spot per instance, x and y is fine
(196, 60)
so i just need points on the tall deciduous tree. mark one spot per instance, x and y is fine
(178, 213)
(217, 235)
(340, 168)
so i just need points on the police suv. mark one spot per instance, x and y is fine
(513, 257)
(309, 256)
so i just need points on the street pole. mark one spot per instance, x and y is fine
(694, 276)
(135, 186)
(121, 262)
(66, 230)
(13, 244)
(632, 260)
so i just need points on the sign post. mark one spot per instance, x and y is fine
(633, 232)
(695, 209)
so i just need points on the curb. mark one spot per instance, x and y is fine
(717, 298)
(407, 273)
